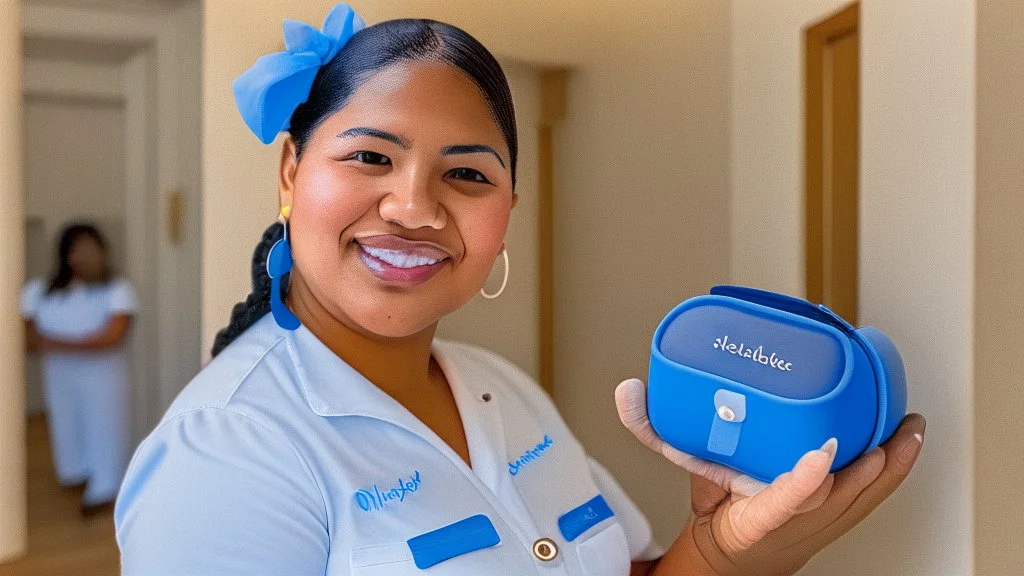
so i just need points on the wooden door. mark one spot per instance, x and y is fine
(832, 155)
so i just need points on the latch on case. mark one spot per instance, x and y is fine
(730, 412)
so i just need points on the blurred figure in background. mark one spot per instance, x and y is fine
(78, 322)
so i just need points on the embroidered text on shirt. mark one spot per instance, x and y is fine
(377, 500)
(530, 455)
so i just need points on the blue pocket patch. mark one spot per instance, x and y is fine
(580, 519)
(456, 539)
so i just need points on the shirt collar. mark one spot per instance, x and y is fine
(331, 387)
(334, 388)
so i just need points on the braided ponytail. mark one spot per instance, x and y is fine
(257, 304)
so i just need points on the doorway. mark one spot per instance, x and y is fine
(132, 67)
(111, 102)
(832, 161)
(74, 146)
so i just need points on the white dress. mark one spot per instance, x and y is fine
(86, 392)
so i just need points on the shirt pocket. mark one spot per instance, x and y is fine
(444, 550)
(382, 560)
(601, 544)
(605, 553)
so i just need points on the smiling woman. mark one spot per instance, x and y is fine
(396, 184)
(352, 140)
(371, 192)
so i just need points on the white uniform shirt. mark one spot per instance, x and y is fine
(279, 458)
(77, 311)
(74, 314)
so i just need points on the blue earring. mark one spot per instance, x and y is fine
(279, 263)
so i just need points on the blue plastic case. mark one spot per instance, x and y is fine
(754, 380)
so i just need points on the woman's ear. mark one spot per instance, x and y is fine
(286, 173)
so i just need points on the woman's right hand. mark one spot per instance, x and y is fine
(740, 526)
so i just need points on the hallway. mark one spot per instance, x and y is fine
(60, 541)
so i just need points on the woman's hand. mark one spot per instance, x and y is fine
(743, 526)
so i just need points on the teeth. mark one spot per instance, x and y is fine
(399, 259)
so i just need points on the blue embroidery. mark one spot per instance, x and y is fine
(530, 455)
(377, 500)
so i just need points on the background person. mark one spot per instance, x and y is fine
(78, 321)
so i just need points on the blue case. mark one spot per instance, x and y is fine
(754, 380)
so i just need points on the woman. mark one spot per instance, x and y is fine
(78, 322)
(335, 435)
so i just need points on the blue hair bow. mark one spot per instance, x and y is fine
(268, 93)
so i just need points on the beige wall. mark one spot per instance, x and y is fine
(917, 198)
(69, 177)
(510, 322)
(641, 224)
(999, 300)
(13, 533)
(766, 139)
(641, 169)
(917, 225)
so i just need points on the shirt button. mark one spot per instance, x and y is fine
(545, 549)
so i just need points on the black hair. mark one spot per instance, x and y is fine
(71, 234)
(394, 41)
(366, 53)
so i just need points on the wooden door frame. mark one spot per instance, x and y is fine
(13, 461)
(817, 37)
(552, 111)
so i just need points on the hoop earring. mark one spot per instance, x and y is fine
(279, 263)
(504, 281)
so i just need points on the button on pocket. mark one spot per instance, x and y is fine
(606, 553)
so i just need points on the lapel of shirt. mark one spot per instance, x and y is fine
(332, 388)
(481, 419)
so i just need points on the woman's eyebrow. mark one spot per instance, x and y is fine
(375, 133)
(471, 149)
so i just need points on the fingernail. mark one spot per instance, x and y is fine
(830, 447)
(910, 450)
